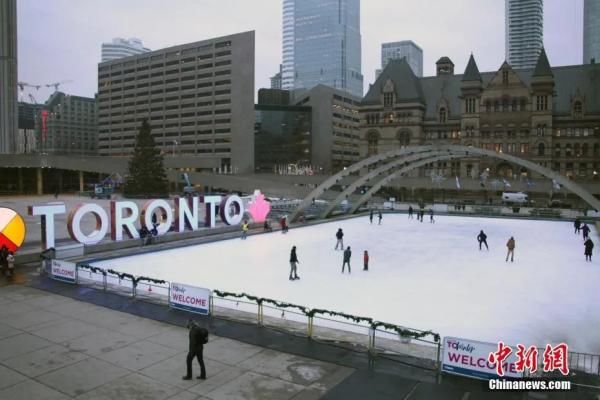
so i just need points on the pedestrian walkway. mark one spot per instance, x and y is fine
(55, 347)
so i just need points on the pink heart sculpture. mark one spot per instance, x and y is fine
(259, 208)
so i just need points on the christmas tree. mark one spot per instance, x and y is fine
(147, 176)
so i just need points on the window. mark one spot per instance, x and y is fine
(541, 103)
(577, 109)
(514, 105)
(596, 149)
(524, 148)
(504, 104)
(388, 99)
(442, 114)
(541, 149)
(523, 105)
(470, 106)
(488, 106)
(568, 150)
(505, 77)
(557, 150)
(584, 150)
(372, 139)
(541, 130)
(404, 138)
(496, 106)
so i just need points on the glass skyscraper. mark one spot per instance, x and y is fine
(322, 45)
(404, 49)
(524, 32)
(591, 31)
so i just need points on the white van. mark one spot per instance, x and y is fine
(515, 198)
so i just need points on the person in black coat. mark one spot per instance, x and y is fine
(589, 245)
(340, 239)
(293, 264)
(482, 239)
(198, 338)
(371, 216)
(410, 212)
(577, 225)
(586, 231)
(347, 255)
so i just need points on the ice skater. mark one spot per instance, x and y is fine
(371, 216)
(577, 225)
(347, 255)
(284, 225)
(431, 220)
(379, 216)
(340, 239)
(421, 214)
(410, 212)
(245, 230)
(586, 231)
(365, 261)
(510, 245)
(589, 246)
(293, 264)
(267, 226)
(482, 239)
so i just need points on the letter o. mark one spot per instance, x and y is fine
(74, 223)
(236, 203)
(148, 210)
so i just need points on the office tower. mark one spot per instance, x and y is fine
(591, 31)
(276, 79)
(524, 32)
(322, 45)
(404, 49)
(120, 48)
(8, 75)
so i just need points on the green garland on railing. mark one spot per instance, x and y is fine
(151, 280)
(92, 268)
(122, 275)
(261, 300)
(135, 279)
(354, 318)
(406, 332)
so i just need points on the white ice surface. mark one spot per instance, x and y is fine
(421, 275)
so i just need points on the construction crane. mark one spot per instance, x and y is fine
(57, 84)
(32, 99)
(23, 85)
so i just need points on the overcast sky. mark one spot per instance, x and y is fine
(60, 40)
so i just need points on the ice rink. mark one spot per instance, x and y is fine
(421, 275)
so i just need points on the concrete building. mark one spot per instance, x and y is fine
(68, 125)
(198, 98)
(27, 137)
(276, 80)
(404, 49)
(591, 31)
(322, 45)
(8, 75)
(335, 127)
(524, 32)
(120, 48)
(550, 116)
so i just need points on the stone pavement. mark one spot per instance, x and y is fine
(55, 347)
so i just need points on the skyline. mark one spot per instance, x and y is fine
(71, 49)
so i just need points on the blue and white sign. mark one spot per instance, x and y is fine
(470, 358)
(189, 298)
(63, 271)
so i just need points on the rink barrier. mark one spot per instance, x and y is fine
(299, 318)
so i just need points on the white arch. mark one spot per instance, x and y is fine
(460, 151)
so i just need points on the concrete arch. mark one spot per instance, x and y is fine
(373, 174)
(364, 198)
(459, 151)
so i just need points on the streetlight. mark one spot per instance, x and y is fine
(175, 143)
